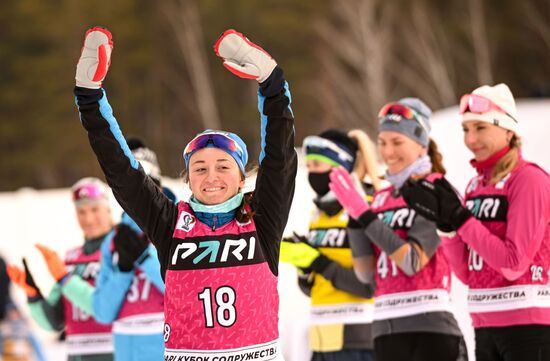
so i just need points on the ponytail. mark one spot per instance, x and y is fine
(508, 162)
(436, 158)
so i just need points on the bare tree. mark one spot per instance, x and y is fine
(480, 42)
(371, 56)
(422, 62)
(184, 19)
(353, 56)
(537, 21)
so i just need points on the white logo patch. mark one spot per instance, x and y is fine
(186, 222)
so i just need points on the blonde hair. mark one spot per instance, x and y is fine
(366, 162)
(508, 162)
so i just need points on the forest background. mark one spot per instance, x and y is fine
(344, 59)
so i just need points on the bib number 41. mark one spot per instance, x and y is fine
(383, 266)
(225, 313)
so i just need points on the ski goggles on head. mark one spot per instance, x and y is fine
(217, 139)
(89, 193)
(313, 142)
(403, 112)
(326, 150)
(478, 104)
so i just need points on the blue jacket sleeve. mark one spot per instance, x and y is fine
(111, 286)
(125, 219)
(151, 267)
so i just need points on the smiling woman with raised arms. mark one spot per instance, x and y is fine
(219, 252)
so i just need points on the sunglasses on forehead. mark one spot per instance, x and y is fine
(217, 139)
(404, 112)
(89, 192)
(478, 104)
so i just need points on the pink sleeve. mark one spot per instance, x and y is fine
(456, 253)
(527, 219)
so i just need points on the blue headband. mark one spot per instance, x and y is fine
(229, 142)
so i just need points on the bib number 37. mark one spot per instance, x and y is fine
(225, 313)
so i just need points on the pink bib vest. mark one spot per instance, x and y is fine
(143, 311)
(84, 334)
(221, 297)
(492, 299)
(397, 294)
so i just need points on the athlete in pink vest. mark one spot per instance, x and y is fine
(69, 305)
(129, 292)
(219, 251)
(501, 248)
(397, 249)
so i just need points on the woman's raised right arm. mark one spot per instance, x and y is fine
(137, 193)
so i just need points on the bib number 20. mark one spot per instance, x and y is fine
(475, 262)
(224, 298)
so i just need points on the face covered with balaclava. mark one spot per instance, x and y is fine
(332, 148)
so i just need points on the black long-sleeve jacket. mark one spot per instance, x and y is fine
(155, 214)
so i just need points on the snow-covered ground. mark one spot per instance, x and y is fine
(29, 216)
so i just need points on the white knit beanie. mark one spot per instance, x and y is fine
(500, 95)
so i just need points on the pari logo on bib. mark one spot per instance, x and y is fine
(186, 222)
